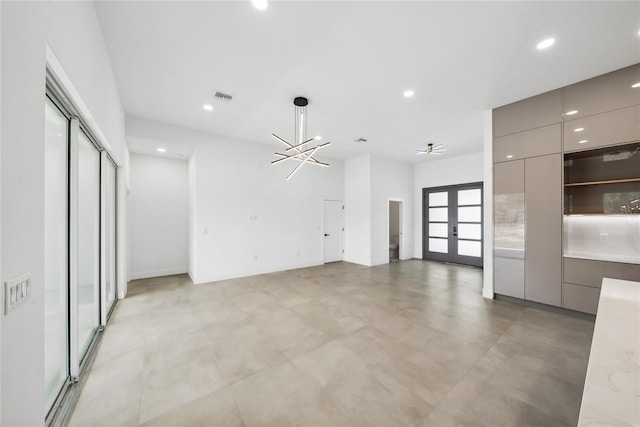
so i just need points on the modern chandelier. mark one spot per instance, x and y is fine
(299, 151)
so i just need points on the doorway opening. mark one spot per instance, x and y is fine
(452, 224)
(395, 230)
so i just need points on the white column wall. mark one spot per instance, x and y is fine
(357, 210)
(390, 180)
(487, 288)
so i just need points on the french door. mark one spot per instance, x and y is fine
(80, 247)
(452, 224)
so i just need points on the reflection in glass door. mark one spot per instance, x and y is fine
(452, 224)
(88, 243)
(55, 259)
(109, 228)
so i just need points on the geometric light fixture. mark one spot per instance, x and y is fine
(431, 149)
(300, 151)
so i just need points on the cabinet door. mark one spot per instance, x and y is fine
(580, 298)
(509, 224)
(537, 111)
(601, 130)
(531, 143)
(608, 92)
(543, 244)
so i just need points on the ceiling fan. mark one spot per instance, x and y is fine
(431, 149)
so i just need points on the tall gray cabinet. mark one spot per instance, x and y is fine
(535, 140)
(528, 198)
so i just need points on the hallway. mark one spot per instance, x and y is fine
(408, 343)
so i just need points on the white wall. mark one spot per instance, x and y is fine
(390, 180)
(72, 31)
(1, 209)
(357, 210)
(488, 261)
(244, 218)
(436, 173)
(191, 216)
(158, 216)
(248, 219)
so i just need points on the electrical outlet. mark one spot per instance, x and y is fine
(604, 237)
(16, 291)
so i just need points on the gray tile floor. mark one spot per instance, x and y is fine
(408, 343)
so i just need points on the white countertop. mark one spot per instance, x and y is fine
(611, 395)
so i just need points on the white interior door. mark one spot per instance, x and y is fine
(332, 230)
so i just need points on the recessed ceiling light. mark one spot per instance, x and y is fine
(571, 113)
(318, 137)
(578, 129)
(260, 4)
(510, 156)
(583, 141)
(546, 43)
(208, 107)
(162, 150)
(408, 93)
(635, 85)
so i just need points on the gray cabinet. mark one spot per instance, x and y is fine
(583, 278)
(509, 228)
(589, 272)
(580, 298)
(537, 111)
(608, 92)
(528, 229)
(611, 128)
(543, 244)
(531, 143)
(530, 138)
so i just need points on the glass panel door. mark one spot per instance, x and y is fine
(56, 249)
(110, 287)
(437, 225)
(467, 231)
(88, 243)
(452, 230)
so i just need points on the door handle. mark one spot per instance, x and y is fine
(455, 231)
(325, 234)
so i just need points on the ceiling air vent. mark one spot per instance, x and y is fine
(222, 96)
(360, 140)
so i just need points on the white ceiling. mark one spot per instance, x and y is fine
(353, 60)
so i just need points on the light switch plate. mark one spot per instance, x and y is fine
(16, 291)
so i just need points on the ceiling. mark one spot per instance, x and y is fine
(354, 60)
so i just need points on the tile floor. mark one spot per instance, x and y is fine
(408, 343)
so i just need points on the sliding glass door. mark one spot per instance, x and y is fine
(109, 237)
(56, 293)
(80, 247)
(88, 242)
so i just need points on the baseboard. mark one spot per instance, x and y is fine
(487, 293)
(545, 307)
(157, 273)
